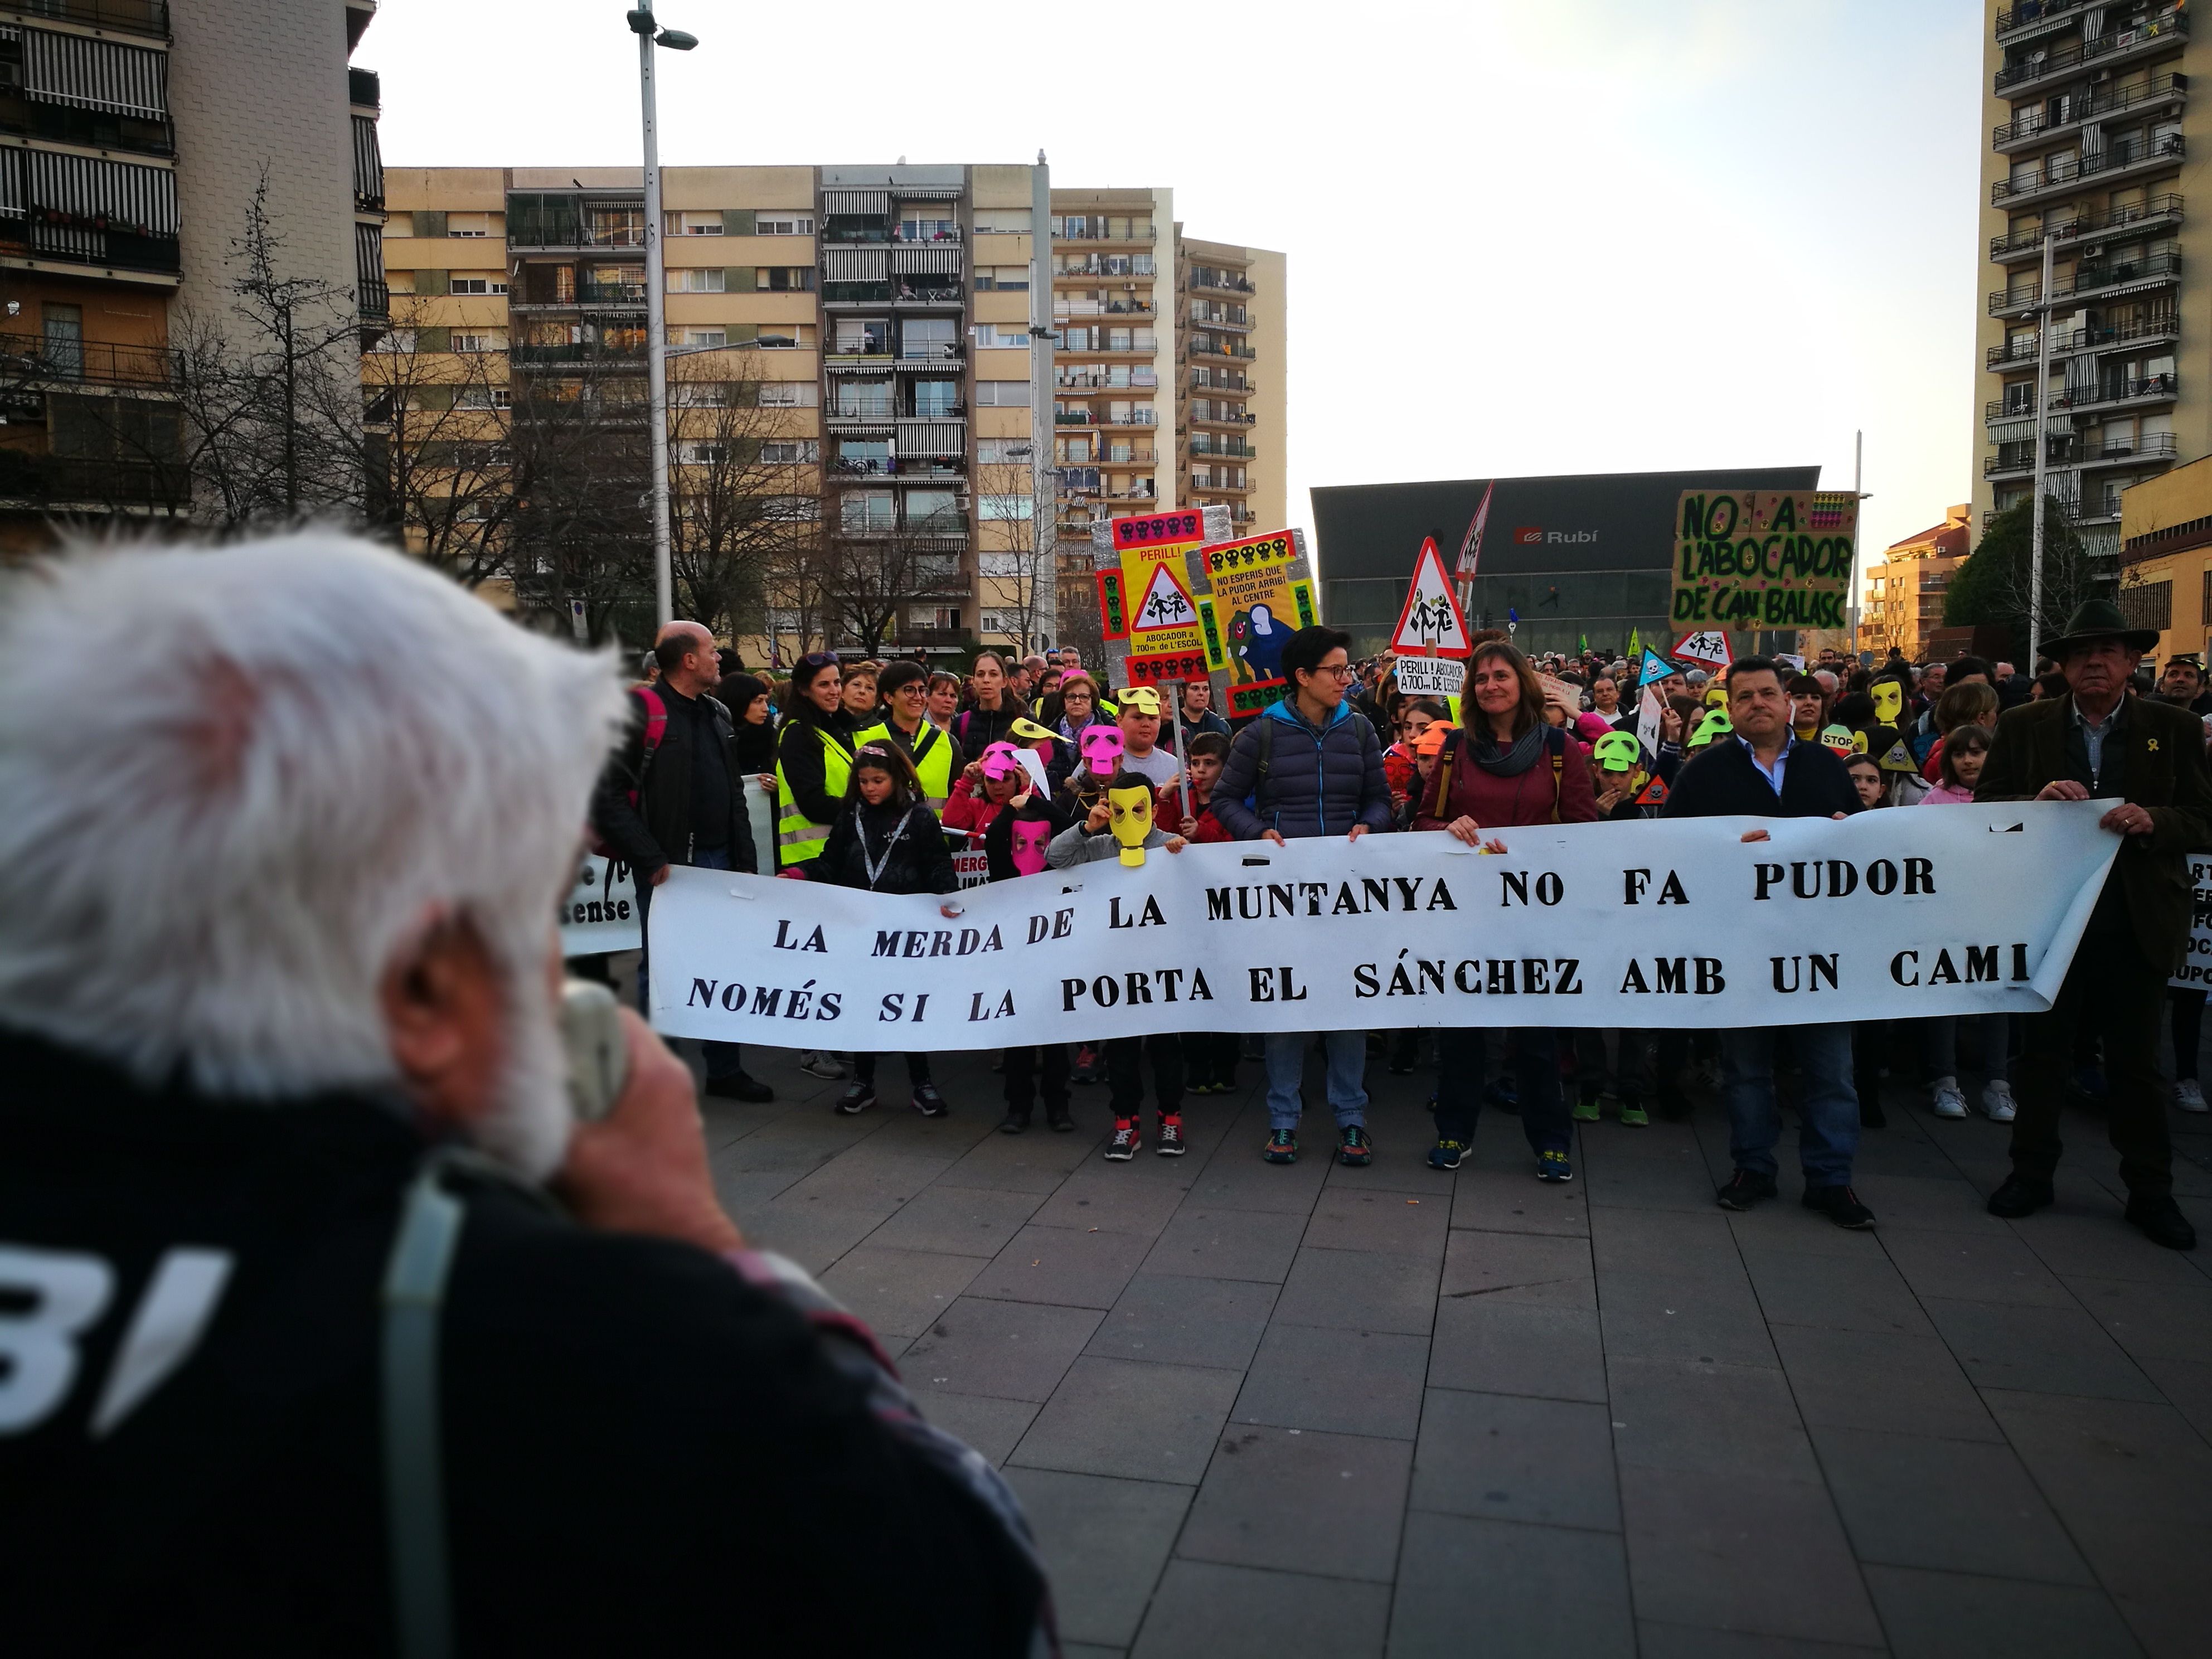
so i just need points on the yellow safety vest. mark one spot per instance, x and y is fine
(797, 839)
(931, 753)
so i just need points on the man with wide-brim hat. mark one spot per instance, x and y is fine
(2102, 741)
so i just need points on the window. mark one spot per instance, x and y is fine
(789, 452)
(935, 399)
(935, 512)
(477, 285)
(783, 224)
(468, 224)
(1003, 451)
(784, 279)
(483, 340)
(700, 394)
(695, 279)
(2148, 604)
(863, 511)
(693, 224)
(703, 454)
(1002, 279)
(790, 509)
(699, 337)
(789, 394)
(1003, 336)
(1076, 225)
(918, 225)
(1007, 509)
(481, 396)
(1003, 221)
(864, 455)
(1002, 394)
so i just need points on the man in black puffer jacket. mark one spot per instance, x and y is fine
(1309, 766)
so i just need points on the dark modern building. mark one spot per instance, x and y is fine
(1578, 555)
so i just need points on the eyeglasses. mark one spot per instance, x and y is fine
(1343, 671)
(818, 660)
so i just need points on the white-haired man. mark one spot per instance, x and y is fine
(282, 1373)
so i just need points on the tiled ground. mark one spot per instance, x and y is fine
(1280, 1411)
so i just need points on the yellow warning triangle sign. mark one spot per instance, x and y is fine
(1164, 604)
(1432, 620)
(1899, 759)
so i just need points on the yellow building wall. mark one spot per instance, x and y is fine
(1270, 473)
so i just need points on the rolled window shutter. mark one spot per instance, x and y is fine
(427, 223)
(737, 222)
(743, 331)
(431, 282)
(434, 339)
(737, 279)
(433, 397)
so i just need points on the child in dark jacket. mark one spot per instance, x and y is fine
(1015, 844)
(1209, 1058)
(886, 840)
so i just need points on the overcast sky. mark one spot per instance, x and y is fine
(1539, 238)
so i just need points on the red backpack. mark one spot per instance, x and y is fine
(656, 723)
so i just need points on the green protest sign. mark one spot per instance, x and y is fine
(1751, 559)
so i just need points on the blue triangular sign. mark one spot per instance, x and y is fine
(1654, 669)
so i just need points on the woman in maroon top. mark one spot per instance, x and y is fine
(1509, 767)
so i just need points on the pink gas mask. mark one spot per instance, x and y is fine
(999, 761)
(1102, 749)
(1029, 838)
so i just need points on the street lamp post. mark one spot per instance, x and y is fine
(2042, 458)
(650, 34)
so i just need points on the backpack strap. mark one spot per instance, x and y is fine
(414, 1296)
(1444, 772)
(1267, 750)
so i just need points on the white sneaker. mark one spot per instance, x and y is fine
(1997, 1101)
(1949, 1103)
(2188, 1097)
(822, 1065)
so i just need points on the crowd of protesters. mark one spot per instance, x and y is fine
(880, 771)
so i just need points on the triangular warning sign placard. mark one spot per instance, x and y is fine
(1432, 620)
(1708, 647)
(1655, 793)
(1655, 668)
(1164, 604)
(1899, 759)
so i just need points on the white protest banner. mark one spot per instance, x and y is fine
(2195, 974)
(600, 913)
(1666, 922)
(1430, 676)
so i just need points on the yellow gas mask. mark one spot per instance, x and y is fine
(1889, 700)
(1132, 821)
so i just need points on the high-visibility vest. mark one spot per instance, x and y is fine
(931, 752)
(797, 838)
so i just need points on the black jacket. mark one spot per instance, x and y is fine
(1725, 782)
(998, 839)
(658, 829)
(799, 743)
(648, 1449)
(919, 863)
(979, 728)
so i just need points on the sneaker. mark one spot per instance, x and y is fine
(1282, 1146)
(1949, 1102)
(929, 1101)
(1014, 1122)
(1086, 1065)
(1586, 1109)
(856, 1099)
(2162, 1222)
(816, 1062)
(1446, 1155)
(1554, 1167)
(1841, 1206)
(1633, 1114)
(1744, 1189)
(1123, 1147)
(1056, 1117)
(1225, 1084)
(2187, 1097)
(2020, 1196)
(1997, 1101)
(739, 1087)
(1171, 1143)
(1353, 1150)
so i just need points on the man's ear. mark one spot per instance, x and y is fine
(443, 1008)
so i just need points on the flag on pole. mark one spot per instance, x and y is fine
(1511, 615)
(1584, 638)
(1635, 641)
(1470, 550)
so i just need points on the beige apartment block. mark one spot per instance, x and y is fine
(1230, 398)
(877, 325)
(1905, 592)
(133, 135)
(2166, 558)
(2092, 118)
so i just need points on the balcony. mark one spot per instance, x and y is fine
(1068, 310)
(942, 356)
(1225, 352)
(1125, 265)
(2114, 46)
(1216, 380)
(375, 298)
(1218, 487)
(869, 414)
(148, 17)
(1221, 282)
(2112, 282)
(58, 483)
(2017, 460)
(1234, 449)
(848, 230)
(66, 238)
(2034, 125)
(364, 88)
(559, 232)
(2155, 446)
(2032, 17)
(838, 296)
(2117, 393)
(915, 236)
(910, 298)
(575, 352)
(2160, 212)
(1138, 420)
(1225, 417)
(2017, 354)
(34, 359)
(1223, 321)
(1144, 238)
(2061, 173)
(1129, 381)
(1073, 417)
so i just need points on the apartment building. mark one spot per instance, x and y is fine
(877, 327)
(1155, 397)
(2088, 105)
(129, 153)
(1904, 602)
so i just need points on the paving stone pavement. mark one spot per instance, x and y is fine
(1313, 1410)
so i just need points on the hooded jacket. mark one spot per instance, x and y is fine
(1318, 781)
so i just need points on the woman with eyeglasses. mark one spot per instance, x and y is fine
(813, 760)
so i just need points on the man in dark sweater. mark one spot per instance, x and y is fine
(1763, 771)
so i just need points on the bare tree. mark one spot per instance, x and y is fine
(1017, 557)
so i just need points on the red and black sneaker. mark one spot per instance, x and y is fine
(1172, 1145)
(1123, 1147)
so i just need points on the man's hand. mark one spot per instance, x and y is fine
(2126, 819)
(2064, 789)
(1358, 830)
(642, 1169)
(1467, 829)
(1275, 835)
(657, 876)
(1750, 836)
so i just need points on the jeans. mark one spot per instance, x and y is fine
(1347, 1074)
(1942, 1050)
(1462, 1063)
(1827, 1115)
(724, 1059)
